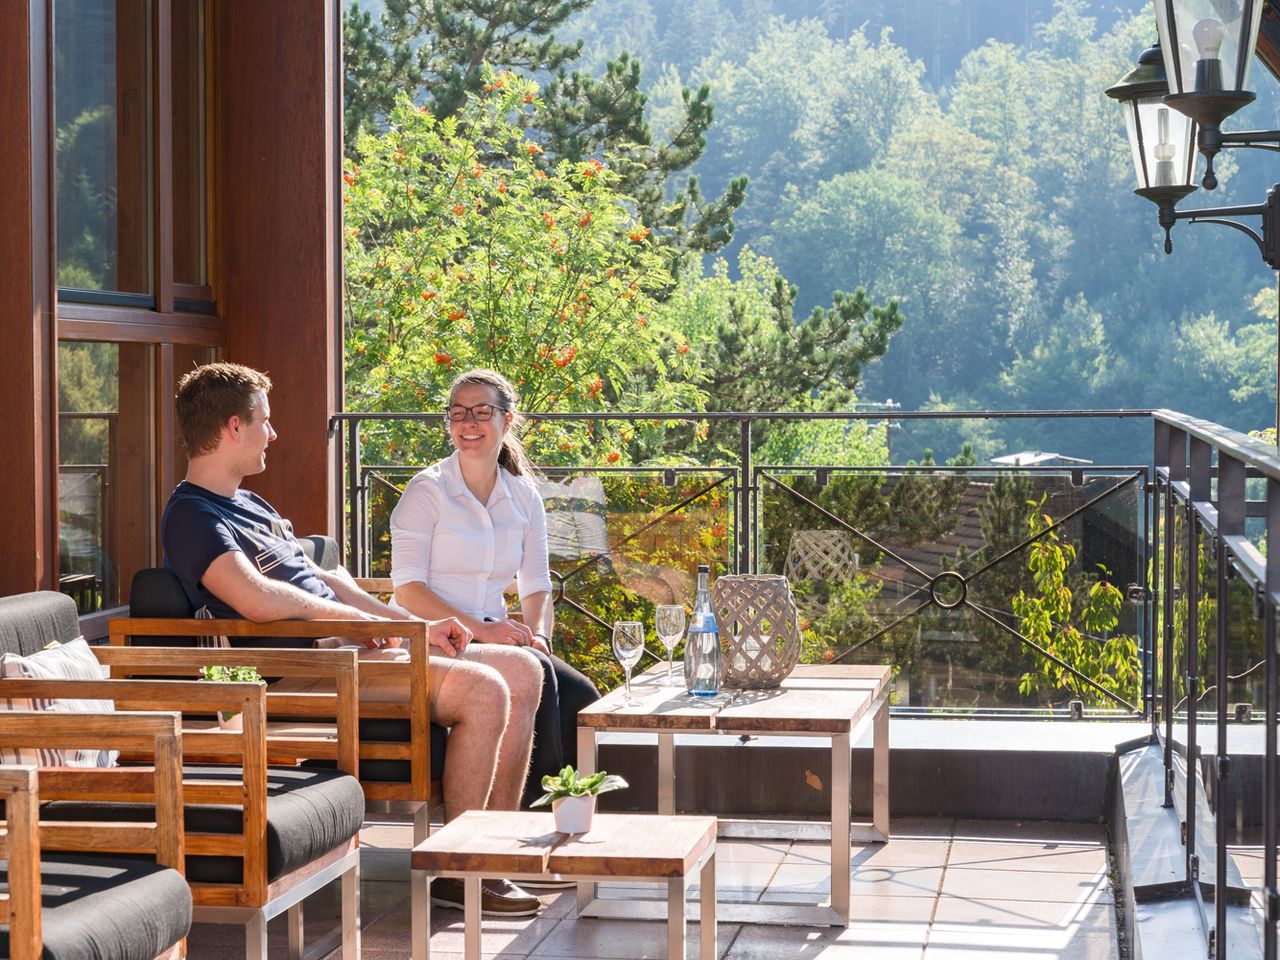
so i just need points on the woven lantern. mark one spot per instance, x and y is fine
(756, 617)
(824, 557)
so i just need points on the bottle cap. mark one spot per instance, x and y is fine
(704, 568)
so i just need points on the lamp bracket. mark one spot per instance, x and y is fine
(1267, 239)
(1253, 234)
(1255, 139)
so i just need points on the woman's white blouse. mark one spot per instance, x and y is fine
(465, 551)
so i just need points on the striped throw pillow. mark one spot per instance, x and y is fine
(67, 661)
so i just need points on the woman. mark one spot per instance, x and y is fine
(464, 528)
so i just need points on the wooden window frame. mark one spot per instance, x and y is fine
(177, 317)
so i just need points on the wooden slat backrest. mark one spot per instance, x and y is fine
(248, 749)
(337, 667)
(156, 735)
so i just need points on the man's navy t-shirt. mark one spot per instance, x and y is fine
(199, 526)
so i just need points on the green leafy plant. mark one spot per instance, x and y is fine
(1075, 619)
(220, 674)
(570, 784)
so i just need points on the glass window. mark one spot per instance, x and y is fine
(190, 219)
(106, 469)
(103, 118)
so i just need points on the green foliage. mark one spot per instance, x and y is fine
(569, 783)
(221, 674)
(239, 674)
(437, 51)
(740, 328)
(461, 251)
(1072, 618)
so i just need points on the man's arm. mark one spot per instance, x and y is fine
(342, 584)
(234, 581)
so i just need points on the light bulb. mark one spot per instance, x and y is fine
(1208, 35)
(1163, 151)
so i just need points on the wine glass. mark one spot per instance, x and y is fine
(668, 623)
(628, 645)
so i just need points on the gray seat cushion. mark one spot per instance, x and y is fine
(309, 812)
(389, 730)
(31, 621)
(104, 909)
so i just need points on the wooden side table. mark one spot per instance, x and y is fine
(525, 846)
(826, 701)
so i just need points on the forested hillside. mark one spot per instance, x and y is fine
(960, 157)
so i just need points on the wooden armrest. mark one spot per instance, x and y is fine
(121, 628)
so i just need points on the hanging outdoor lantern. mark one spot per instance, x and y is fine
(1208, 49)
(1162, 139)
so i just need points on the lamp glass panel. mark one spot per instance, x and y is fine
(1208, 44)
(1163, 143)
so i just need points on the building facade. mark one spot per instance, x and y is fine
(171, 195)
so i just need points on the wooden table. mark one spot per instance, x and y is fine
(831, 701)
(525, 846)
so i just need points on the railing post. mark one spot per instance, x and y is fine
(1175, 458)
(1147, 560)
(746, 499)
(1271, 703)
(1231, 510)
(1199, 493)
(338, 434)
(355, 504)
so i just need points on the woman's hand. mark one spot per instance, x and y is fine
(505, 631)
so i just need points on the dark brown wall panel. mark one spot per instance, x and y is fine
(278, 135)
(28, 482)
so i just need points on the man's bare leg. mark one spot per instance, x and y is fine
(474, 702)
(523, 677)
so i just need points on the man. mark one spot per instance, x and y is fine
(238, 558)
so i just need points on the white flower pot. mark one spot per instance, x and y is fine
(573, 814)
(234, 722)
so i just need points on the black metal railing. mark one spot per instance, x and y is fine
(88, 508)
(970, 655)
(1217, 587)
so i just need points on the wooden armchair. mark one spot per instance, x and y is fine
(401, 752)
(68, 892)
(263, 831)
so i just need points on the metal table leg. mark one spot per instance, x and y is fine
(675, 919)
(586, 765)
(419, 913)
(840, 853)
(707, 902)
(880, 771)
(666, 774)
(471, 917)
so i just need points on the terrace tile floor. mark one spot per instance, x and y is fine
(938, 890)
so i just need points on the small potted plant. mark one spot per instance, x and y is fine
(230, 719)
(573, 797)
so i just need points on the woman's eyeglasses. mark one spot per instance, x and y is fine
(480, 412)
